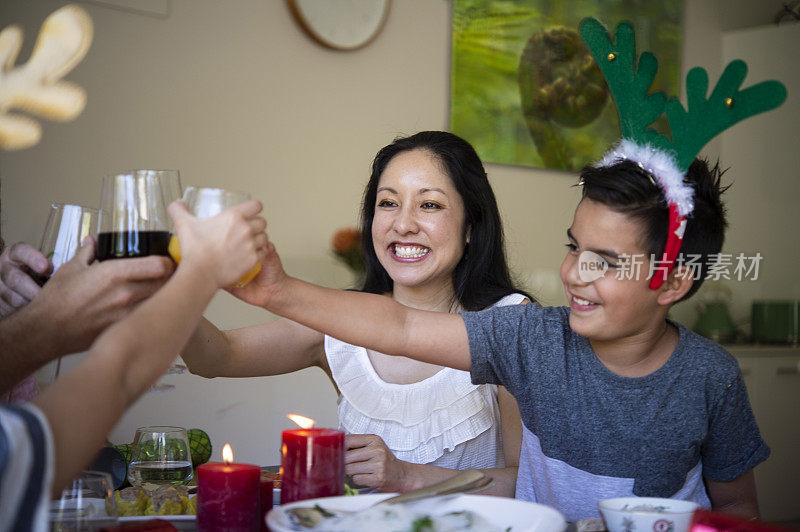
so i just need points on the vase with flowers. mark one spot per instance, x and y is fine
(346, 246)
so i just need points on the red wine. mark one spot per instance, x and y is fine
(126, 244)
(39, 278)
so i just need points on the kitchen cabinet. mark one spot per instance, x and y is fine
(772, 376)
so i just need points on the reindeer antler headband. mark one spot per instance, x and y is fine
(667, 160)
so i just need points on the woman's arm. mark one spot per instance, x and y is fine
(371, 463)
(273, 348)
(737, 497)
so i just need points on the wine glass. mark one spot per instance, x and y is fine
(170, 181)
(205, 202)
(87, 504)
(67, 225)
(160, 455)
(133, 216)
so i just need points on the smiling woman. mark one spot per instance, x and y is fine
(431, 239)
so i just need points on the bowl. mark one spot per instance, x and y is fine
(623, 514)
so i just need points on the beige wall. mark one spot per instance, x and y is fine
(234, 94)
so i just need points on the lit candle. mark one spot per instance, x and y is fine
(312, 462)
(228, 496)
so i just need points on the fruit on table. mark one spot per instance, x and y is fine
(200, 446)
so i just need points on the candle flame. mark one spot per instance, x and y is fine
(227, 454)
(302, 421)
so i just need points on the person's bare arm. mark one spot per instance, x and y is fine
(75, 305)
(368, 320)
(371, 463)
(737, 497)
(272, 348)
(83, 405)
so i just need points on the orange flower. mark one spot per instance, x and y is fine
(344, 240)
(346, 245)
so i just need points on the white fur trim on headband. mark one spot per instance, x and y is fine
(660, 165)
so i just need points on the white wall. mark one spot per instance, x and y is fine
(764, 161)
(234, 94)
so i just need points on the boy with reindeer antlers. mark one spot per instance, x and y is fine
(615, 398)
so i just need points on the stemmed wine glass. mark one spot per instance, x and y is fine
(133, 213)
(134, 220)
(67, 226)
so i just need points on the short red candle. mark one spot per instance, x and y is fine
(312, 464)
(228, 498)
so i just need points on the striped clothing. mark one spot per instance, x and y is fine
(26, 468)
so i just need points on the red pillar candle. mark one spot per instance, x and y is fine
(312, 463)
(228, 497)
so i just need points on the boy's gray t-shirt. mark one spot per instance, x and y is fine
(589, 434)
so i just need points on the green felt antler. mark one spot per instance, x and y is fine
(627, 81)
(692, 129)
(708, 117)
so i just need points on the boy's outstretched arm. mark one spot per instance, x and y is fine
(368, 320)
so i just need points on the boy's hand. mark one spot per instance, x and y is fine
(223, 247)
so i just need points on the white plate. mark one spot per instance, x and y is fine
(502, 512)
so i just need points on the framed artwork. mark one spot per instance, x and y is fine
(524, 89)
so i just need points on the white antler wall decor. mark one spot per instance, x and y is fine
(35, 87)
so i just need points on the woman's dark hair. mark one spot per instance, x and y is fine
(628, 189)
(482, 276)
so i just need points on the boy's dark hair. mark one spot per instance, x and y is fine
(627, 188)
(482, 276)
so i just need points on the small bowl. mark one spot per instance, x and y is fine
(644, 514)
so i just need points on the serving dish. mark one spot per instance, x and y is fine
(520, 516)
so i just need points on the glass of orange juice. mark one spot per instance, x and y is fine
(205, 202)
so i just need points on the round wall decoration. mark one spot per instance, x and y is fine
(341, 24)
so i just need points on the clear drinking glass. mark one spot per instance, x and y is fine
(133, 216)
(87, 504)
(160, 455)
(67, 225)
(205, 202)
(170, 180)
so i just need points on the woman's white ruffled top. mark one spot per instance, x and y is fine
(443, 420)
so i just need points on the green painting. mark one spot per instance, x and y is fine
(524, 89)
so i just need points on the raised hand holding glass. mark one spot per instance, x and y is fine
(206, 202)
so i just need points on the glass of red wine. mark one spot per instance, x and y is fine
(133, 216)
(134, 220)
(67, 226)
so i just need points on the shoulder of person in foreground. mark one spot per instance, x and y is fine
(26, 449)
